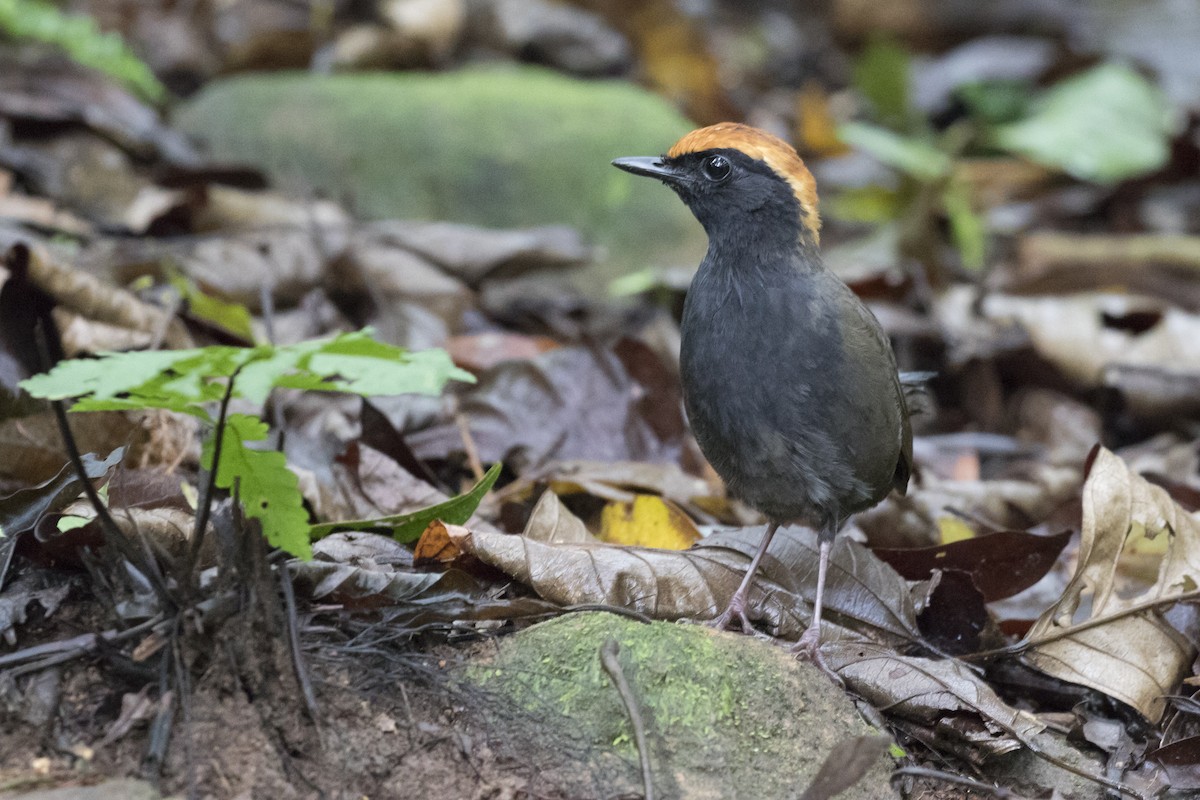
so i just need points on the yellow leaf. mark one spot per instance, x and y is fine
(953, 529)
(648, 521)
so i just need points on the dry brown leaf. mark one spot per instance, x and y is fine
(33, 449)
(567, 403)
(933, 693)
(435, 544)
(697, 583)
(1074, 333)
(81, 292)
(1134, 656)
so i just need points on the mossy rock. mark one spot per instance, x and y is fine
(502, 147)
(726, 716)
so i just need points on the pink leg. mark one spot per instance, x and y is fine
(809, 645)
(737, 604)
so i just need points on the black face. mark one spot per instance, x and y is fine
(726, 190)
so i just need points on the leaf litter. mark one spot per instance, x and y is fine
(593, 439)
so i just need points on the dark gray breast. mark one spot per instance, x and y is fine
(791, 390)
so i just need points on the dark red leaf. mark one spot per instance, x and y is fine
(1001, 564)
(1181, 761)
(956, 614)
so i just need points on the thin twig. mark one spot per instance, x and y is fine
(620, 611)
(112, 532)
(164, 721)
(1002, 792)
(1149, 605)
(183, 685)
(204, 507)
(464, 430)
(293, 634)
(612, 665)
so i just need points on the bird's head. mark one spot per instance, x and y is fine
(733, 176)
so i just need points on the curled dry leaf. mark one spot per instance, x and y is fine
(551, 522)
(472, 253)
(1155, 264)
(1124, 647)
(943, 694)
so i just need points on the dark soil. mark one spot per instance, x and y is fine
(386, 728)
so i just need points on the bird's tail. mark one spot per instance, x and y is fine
(915, 388)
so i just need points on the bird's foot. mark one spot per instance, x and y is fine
(808, 648)
(737, 608)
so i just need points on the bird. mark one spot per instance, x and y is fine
(789, 382)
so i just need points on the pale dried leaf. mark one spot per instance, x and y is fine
(472, 253)
(1135, 657)
(934, 693)
(551, 522)
(81, 292)
(81, 335)
(169, 528)
(1074, 335)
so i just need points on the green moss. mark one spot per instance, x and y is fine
(726, 708)
(503, 147)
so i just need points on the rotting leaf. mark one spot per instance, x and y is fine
(955, 617)
(1123, 647)
(15, 601)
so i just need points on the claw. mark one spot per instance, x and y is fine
(808, 648)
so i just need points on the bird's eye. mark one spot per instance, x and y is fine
(716, 168)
